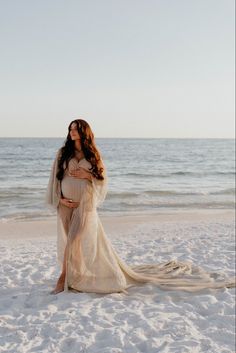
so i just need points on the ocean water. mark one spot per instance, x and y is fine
(145, 175)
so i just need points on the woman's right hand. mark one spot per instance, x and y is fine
(68, 203)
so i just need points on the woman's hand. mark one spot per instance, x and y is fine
(81, 173)
(69, 203)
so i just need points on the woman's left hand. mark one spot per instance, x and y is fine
(80, 173)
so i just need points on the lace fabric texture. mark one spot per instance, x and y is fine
(92, 263)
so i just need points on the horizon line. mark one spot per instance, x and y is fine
(62, 137)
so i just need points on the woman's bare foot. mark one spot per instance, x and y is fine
(60, 285)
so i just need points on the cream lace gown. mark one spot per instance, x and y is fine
(92, 263)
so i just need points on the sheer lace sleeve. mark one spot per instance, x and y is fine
(100, 187)
(53, 192)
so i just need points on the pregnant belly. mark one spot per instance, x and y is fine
(72, 188)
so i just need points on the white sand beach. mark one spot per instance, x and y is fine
(148, 319)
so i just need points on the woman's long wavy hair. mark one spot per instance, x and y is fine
(88, 147)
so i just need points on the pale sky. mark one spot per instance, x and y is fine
(131, 68)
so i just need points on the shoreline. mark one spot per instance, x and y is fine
(116, 223)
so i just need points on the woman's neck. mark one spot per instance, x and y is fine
(77, 145)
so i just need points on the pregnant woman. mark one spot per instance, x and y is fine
(89, 263)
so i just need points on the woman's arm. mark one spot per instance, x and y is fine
(69, 203)
(81, 173)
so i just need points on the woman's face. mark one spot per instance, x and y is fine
(74, 135)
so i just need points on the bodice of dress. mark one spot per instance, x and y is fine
(74, 164)
(71, 187)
